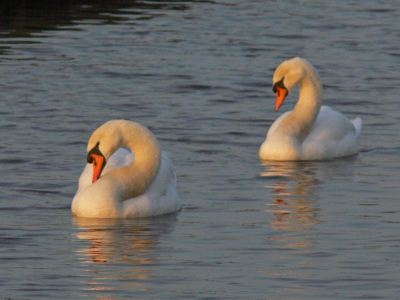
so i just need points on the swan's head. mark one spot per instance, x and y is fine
(287, 76)
(102, 144)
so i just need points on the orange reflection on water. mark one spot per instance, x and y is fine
(294, 202)
(117, 253)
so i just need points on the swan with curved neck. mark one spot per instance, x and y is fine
(139, 182)
(310, 131)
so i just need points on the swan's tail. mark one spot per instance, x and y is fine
(357, 122)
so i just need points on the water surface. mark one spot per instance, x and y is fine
(198, 74)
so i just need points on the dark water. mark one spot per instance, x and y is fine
(198, 74)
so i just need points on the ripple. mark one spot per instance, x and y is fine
(13, 161)
(38, 191)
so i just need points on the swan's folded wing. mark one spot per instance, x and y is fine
(331, 126)
(160, 198)
(277, 122)
(332, 135)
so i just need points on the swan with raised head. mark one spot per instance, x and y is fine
(309, 132)
(135, 181)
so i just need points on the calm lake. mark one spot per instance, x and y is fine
(199, 75)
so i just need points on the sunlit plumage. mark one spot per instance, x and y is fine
(309, 132)
(137, 183)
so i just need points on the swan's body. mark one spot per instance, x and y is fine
(141, 183)
(309, 132)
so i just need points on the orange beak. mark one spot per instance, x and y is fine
(98, 165)
(281, 94)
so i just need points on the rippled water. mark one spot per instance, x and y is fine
(198, 74)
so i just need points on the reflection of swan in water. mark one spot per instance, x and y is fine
(117, 253)
(295, 187)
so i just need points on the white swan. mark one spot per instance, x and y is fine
(141, 183)
(309, 132)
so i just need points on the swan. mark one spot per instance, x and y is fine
(135, 181)
(309, 132)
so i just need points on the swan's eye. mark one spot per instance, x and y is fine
(90, 159)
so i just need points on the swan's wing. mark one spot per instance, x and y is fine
(166, 177)
(332, 135)
(331, 125)
(277, 122)
(160, 198)
(122, 157)
(357, 122)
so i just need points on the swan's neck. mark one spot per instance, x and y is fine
(134, 179)
(307, 108)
